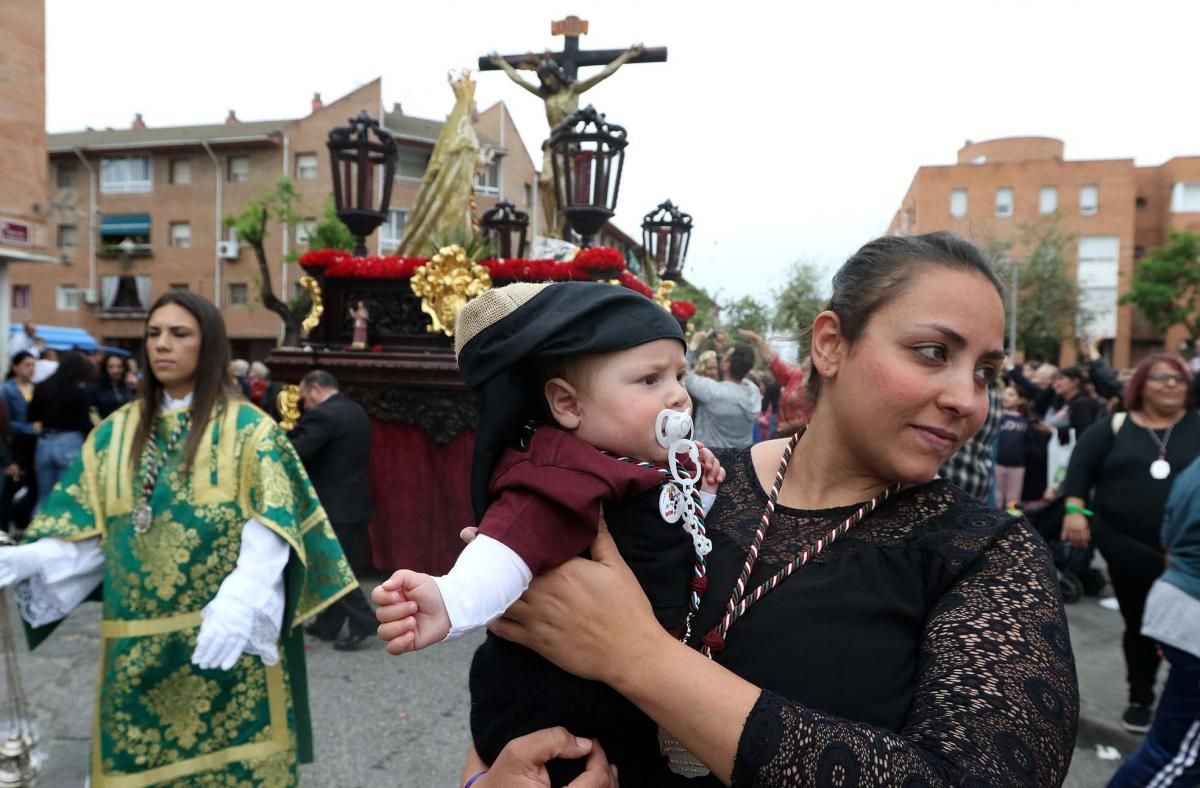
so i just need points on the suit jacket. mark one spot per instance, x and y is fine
(334, 442)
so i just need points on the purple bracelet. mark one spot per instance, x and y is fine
(471, 781)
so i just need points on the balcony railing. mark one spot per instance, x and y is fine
(116, 251)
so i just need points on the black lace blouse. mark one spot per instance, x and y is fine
(927, 646)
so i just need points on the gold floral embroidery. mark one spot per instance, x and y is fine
(161, 552)
(181, 702)
(276, 485)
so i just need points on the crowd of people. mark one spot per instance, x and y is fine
(868, 499)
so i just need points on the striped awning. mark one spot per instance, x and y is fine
(125, 224)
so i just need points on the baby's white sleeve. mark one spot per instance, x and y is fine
(707, 500)
(487, 577)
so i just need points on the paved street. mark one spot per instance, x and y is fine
(383, 721)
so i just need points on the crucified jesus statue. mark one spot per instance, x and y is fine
(560, 92)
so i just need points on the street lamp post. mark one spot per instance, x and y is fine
(666, 232)
(356, 152)
(587, 153)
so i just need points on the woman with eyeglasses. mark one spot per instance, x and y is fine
(1126, 466)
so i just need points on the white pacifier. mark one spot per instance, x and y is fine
(673, 431)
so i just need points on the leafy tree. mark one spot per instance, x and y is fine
(746, 312)
(251, 224)
(330, 233)
(1048, 306)
(799, 301)
(1166, 285)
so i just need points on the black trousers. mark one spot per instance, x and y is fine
(1133, 566)
(353, 607)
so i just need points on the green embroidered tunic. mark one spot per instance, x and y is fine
(159, 718)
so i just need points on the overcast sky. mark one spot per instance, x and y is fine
(787, 130)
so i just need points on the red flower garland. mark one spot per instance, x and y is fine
(595, 262)
(683, 310)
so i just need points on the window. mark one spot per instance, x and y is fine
(1004, 201)
(1185, 197)
(1089, 200)
(178, 286)
(237, 294)
(529, 195)
(411, 162)
(67, 236)
(124, 296)
(1098, 275)
(304, 228)
(181, 235)
(488, 181)
(125, 175)
(64, 175)
(1048, 199)
(1140, 203)
(239, 169)
(393, 230)
(22, 297)
(306, 166)
(958, 203)
(181, 171)
(68, 297)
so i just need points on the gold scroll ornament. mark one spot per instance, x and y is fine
(663, 296)
(288, 404)
(446, 283)
(318, 305)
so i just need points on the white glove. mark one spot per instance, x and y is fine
(24, 561)
(226, 625)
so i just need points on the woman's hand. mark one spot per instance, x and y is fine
(522, 762)
(1076, 531)
(588, 617)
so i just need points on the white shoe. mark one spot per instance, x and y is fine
(1110, 603)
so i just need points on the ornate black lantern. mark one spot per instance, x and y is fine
(356, 151)
(588, 154)
(505, 227)
(666, 232)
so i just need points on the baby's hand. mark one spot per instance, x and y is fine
(711, 472)
(411, 612)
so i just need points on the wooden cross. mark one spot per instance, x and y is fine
(571, 57)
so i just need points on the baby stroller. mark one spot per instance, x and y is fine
(1076, 576)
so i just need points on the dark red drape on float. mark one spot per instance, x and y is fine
(422, 493)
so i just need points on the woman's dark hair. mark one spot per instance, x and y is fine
(212, 386)
(103, 371)
(1137, 382)
(74, 369)
(17, 358)
(881, 272)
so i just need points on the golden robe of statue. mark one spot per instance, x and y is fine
(443, 205)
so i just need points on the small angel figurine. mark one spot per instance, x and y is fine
(360, 316)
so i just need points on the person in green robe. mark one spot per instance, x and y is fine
(191, 513)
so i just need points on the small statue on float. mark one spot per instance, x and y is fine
(362, 319)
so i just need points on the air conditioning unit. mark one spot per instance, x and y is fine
(229, 250)
(90, 297)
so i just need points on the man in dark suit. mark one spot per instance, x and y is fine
(333, 439)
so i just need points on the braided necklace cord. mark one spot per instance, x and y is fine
(699, 580)
(151, 464)
(740, 601)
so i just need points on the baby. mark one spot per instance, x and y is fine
(600, 369)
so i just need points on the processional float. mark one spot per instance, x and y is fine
(404, 371)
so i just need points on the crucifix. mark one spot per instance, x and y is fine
(558, 84)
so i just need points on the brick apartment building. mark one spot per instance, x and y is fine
(1115, 209)
(24, 235)
(136, 211)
